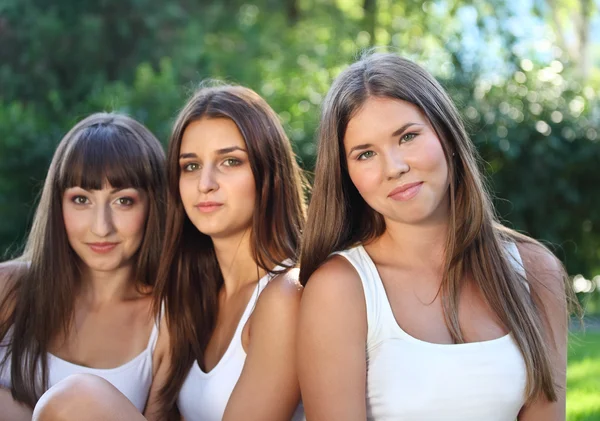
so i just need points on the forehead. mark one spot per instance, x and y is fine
(210, 134)
(381, 116)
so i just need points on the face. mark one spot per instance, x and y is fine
(216, 182)
(105, 227)
(396, 161)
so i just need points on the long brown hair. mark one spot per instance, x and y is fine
(475, 240)
(102, 147)
(189, 277)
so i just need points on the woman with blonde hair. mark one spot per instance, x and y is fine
(419, 304)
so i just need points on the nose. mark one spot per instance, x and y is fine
(207, 181)
(396, 164)
(102, 224)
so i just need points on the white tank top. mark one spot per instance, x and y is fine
(410, 379)
(133, 378)
(204, 396)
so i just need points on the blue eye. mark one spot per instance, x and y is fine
(365, 155)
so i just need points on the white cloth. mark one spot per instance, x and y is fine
(133, 378)
(204, 396)
(409, 379)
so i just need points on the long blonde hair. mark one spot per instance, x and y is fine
(339, 218)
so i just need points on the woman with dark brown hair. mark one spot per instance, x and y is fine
(79, 299)
(226, 277)
(235, 214)
(418, 304)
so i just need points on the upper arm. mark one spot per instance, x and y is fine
(332, 336)
(546, 278)
(11, 409)
(268, 386)
(9, 272)
(161, 364)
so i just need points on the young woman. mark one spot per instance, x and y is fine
(235, 213)
(418, 304)
(226, 279)
(79, 300)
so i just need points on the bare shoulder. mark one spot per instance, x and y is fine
(335, 279)
(10, 271)
(282, 294)
(544, 271)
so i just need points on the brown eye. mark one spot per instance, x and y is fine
(125, 201)
(79, 200)
(190, 167)
(232, 162)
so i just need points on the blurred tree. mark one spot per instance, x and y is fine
(534, 120)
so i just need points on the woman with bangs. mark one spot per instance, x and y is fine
(79, 299)
(418, 304)
(235, 211)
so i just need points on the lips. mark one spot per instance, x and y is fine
(207, 207)
(406, 191)
(102, 248)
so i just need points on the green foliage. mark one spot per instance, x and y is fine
(583, 377)
(534, 123)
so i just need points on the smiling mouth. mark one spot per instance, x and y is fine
(406, 192)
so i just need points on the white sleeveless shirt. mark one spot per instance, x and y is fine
(412, 380)
(133, 378)
(204, 396)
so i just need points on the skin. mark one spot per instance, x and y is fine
(112, 318)
(389, 143)
(215, 168)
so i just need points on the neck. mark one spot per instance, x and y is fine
(237, 264)
(415, 245)
(99, 287)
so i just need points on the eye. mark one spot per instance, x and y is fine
(408, 137)
(192, 166)
(125, 201)
(232, 162)
(365, 155)
(80, 200)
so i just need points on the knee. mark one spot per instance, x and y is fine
(70, 398)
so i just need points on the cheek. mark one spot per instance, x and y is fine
(365, 177)
(245, 187)
(132, 222)
(187, 190)
(74, 221)
(431, 159)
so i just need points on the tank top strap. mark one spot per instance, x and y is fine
(373, 290)
(515, 260)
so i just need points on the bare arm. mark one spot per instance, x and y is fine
(11, 409)
(161, 364)
(545, 276)
(331, 344)
(268, 386)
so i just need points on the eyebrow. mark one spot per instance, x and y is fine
(396, 133)
(223, 151)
